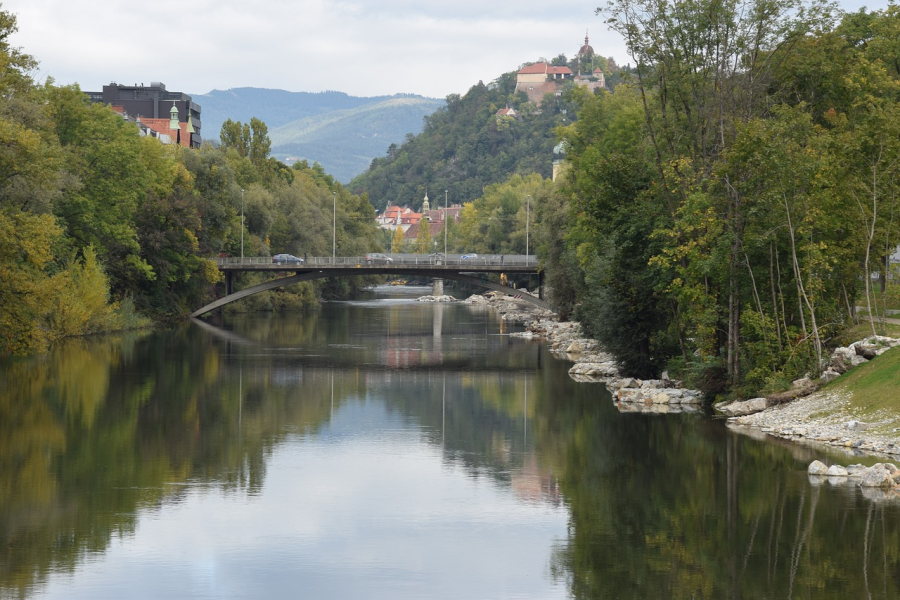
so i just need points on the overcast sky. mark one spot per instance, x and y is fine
(362, 47)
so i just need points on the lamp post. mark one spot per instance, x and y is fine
(242, 225)
(445, 224)
(333, 225)
(527, 223)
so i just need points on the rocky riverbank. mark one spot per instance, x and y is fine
(825, 417)
(798, 415)
(879, 482)
(592, 364)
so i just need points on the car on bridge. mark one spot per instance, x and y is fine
(286, 259)
(378, 257)
(469, 256)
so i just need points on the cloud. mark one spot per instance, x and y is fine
(363, 48)
(360, 47)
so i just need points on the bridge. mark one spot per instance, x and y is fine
(458, 267)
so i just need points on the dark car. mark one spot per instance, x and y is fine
(286, 259)
(378, 257)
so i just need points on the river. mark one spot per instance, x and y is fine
(384, 448)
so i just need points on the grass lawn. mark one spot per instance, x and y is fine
(875, 385)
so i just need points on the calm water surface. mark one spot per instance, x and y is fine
(385, 448)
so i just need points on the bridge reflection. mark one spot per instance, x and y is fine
(416, 336)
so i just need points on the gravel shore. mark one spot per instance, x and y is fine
(827, 418)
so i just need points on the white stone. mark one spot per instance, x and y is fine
(817, 468)
(746, 407)
(857, 360)
(829, 375)
(837, 471)
(661, 398)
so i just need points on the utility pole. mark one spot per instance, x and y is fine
(333, 224)
(527, 222)
(242, 225)
(445, 224)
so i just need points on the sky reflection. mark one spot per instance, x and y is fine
(366, 508)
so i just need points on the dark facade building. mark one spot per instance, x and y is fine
(152, 102)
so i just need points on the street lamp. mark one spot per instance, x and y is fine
(333, 224)
(445, 224)
(527, 222)
(242, 225)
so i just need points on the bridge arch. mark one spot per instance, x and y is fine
(325, 273)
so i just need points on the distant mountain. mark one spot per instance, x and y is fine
(343, 133)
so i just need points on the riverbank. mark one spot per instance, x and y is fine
(857, 410)
(825, 418)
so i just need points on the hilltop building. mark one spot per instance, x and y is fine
(155, 110)
(541, 78)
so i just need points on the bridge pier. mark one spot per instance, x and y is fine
(229, 282)
(437, 287)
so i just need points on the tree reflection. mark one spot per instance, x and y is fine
(672, 506)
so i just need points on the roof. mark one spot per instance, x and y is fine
(536, 68)
(564, 70)
(413, 232)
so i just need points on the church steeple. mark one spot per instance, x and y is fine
(426, 206)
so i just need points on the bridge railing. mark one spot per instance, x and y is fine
(452, 260)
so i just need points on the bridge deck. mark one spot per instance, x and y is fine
(400, 263)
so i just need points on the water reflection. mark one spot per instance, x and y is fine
(406, 448)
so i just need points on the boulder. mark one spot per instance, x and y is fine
(576, 347)
(836, 471)
(745, 407)
(856, 425)
(867, 351)
(856, 470)
(802, 383)
(876, 477)
(858, 360)
(660, 398)
(829, 375)
(817, 467)
(691, 397)
(839, 363)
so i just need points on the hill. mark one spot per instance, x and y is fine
(346, 141)
(465, 145)
(341, 132)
